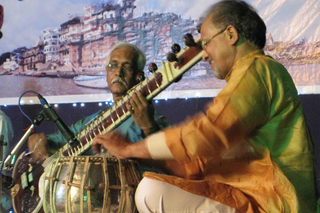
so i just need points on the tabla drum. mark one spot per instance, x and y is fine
(90, 184)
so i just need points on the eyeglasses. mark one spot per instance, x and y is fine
(204, 43)
(114, 67)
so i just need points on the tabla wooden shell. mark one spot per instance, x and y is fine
(91, 184)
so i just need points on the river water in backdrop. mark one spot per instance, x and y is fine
(14, 86)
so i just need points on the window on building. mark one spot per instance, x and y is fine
(102, 54)
(66, 61)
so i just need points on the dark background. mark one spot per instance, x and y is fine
(175, 110)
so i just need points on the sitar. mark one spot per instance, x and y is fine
(27, 173)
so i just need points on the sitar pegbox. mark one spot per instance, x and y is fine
(172, 56)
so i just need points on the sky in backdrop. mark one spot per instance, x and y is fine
(25, 20)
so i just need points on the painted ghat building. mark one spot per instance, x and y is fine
(82, 42)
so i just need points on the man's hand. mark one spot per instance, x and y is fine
(142, 113)
(115, 143)
(37, 145)
(120, 147)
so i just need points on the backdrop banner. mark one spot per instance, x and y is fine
(58, 48)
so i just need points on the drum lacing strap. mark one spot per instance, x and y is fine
(136, 172)
(123, 189)
(51, 170)
(106, 205)
(69, 179)
(83, 182)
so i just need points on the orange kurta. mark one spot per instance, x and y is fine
(252, 149)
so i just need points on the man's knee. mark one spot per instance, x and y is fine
(148, 194)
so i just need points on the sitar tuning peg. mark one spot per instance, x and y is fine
(175, 48)
(152, 67)
(189, 41)
(172, 57)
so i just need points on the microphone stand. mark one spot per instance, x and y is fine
(13, 153)
(51, 115)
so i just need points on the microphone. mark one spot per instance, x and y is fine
(63, 128)
(7, 181)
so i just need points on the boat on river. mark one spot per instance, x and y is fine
(93, 81)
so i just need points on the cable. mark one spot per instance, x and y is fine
(20, 104)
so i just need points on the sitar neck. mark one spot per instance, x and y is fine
(112, 117)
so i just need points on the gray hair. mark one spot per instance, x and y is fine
(139, 58)
(242, 16)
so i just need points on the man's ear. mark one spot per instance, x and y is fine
(232, 34)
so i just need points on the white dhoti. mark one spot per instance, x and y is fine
(160, 197)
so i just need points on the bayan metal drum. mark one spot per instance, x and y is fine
(90, 184)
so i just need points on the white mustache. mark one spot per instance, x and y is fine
(119, 80)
